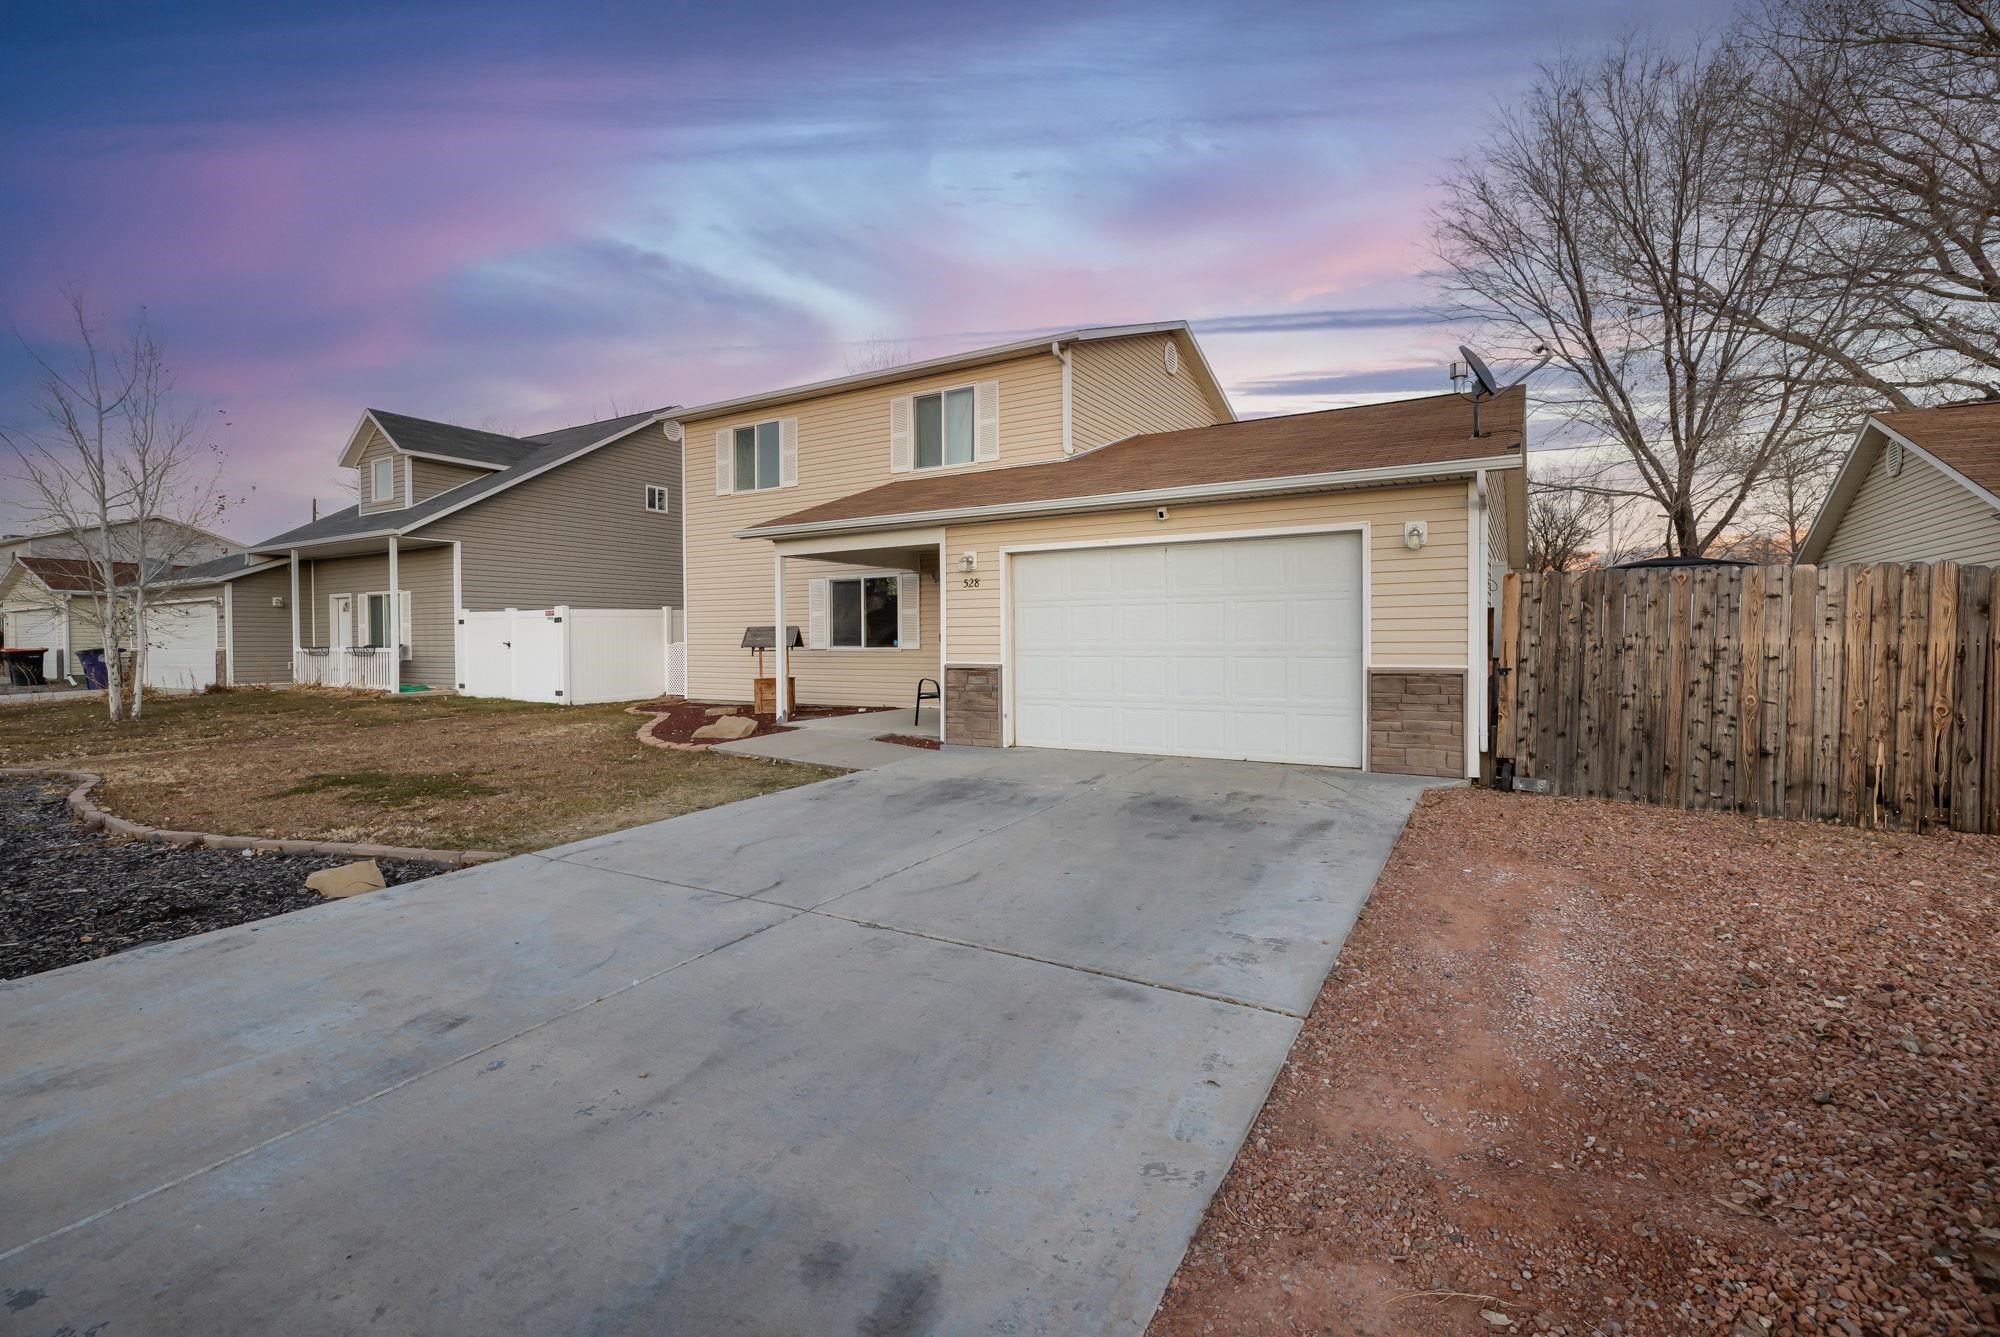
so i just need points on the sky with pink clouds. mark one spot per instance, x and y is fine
(524, 216)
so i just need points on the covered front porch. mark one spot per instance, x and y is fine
(373, 612)
(873, 630)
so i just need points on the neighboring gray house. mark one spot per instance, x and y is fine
(465, 525)
(1920, 485)
(169, 541)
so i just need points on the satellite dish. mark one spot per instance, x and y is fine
(1474, 380)
(1488, 384)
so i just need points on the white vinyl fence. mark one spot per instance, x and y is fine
(574, 656)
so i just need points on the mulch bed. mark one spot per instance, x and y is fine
(910, 740)
(1593, 1068)
(70, 894)
(679, 719)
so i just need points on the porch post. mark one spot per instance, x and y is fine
(782, 641)
(395, 621)
(295, 613)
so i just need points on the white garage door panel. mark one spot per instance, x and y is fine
(180, 646)
(1232, 648)
(39, 628)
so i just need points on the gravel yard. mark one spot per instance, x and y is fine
(1590, 1067)
(69, 894)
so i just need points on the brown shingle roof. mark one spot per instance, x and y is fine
(1436, 429)
(1964, 436)
(71, 575)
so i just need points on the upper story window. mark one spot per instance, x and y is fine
(757, 456)
(656, 497)
(382, 479)
(944, 428)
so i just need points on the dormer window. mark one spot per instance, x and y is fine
(382, 480)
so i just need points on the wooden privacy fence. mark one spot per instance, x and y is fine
(1858, 694)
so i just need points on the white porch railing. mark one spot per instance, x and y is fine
(370, 668)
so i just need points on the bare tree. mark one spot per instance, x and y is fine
(1588, 222)
(875, 353)
(126, 476)
(1565, 521)
(1879, 123)
(1562, 526)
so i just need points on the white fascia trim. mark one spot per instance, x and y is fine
(1150, 497)
(459, 460)
(1835, 506)
(889, 538)
(911, 370)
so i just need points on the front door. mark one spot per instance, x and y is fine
(340, 620)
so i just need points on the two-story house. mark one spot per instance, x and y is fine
(1080, 542)
(546, 567)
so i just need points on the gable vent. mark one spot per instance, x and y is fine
(1173, 358)
(1894, 462)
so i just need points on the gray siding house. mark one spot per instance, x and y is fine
(1921, 485)
(452, 525)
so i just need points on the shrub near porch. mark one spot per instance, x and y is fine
(440, 772)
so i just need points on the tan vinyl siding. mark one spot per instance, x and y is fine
(579, 534)
(843, 447)
(1920, 515)
(1121, 387)
(424, 572)
(378, 446)
(263, 632)
(1417, 600)
(430, 477)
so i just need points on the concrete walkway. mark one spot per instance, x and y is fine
(843, 741)
(958, 1045)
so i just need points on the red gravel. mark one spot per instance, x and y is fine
(679, 719)
(910, 740)
(1592, 1067)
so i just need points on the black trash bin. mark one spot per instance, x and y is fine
(22, 667)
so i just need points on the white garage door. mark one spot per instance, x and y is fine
(37, 628)
(1235, 648)
(180, 646)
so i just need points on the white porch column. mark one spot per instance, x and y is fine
(395, 620)
(782, 641)
(295, 608)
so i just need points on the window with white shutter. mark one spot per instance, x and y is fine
(949, 427)
(862, 613)
(788, 452)
(752, 456)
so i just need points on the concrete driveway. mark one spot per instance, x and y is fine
(959, 1045)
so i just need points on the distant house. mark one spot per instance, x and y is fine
(48, 600)
(1921, 485)
(411, 586)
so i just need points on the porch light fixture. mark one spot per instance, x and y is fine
(1415, 534)
(968, 561)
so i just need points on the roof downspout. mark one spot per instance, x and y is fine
(1061, 350)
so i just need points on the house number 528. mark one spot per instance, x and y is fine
(969, 583)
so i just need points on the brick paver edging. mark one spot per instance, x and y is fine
(86, 811)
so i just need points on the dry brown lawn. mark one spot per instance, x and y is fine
(439, 772)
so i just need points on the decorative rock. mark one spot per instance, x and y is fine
(726, 728)
(714, 711)
(349, 879)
